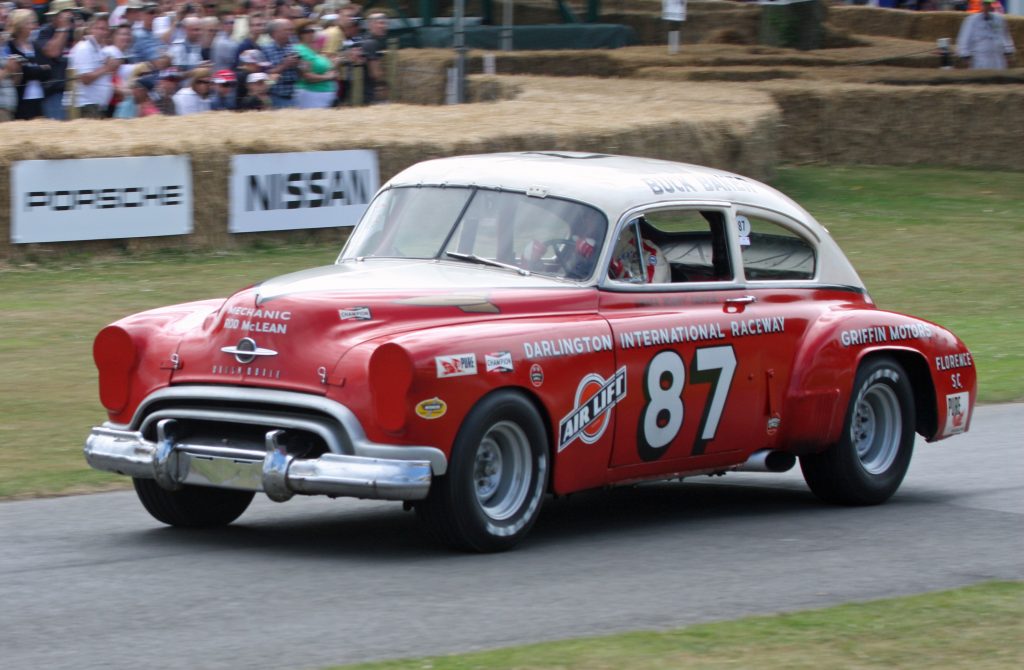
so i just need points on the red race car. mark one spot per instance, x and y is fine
(505, 326)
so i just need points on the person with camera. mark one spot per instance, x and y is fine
(54, 44)
(284, 63)
(94, 69)
(28, 86)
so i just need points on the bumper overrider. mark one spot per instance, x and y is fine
(387, 473)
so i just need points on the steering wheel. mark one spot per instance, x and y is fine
(565, 253)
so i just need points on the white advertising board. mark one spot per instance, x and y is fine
(673, 10)
(316, 189)
(100, 198)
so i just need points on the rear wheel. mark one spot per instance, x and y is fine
(496, 479)
(192, 506)
(868, 463)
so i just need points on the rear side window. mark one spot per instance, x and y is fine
(694, 243)
(772, 252)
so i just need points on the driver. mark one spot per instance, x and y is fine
(643, 263)
(577, 254)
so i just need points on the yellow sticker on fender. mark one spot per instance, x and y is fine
(432, 408)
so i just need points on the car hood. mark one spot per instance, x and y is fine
(290, 332)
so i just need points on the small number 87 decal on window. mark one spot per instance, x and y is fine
(663, 413)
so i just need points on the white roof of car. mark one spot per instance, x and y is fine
(611, 183)
(621, 184)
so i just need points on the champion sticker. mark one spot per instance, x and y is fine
(536, 375)
(595, 397)
(355, 314)
(456, 365)
(432, 408)
(957, 408)
(498, 361)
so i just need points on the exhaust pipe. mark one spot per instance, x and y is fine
(767, 460)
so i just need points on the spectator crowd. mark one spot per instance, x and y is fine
(175, 57)
(181, 57)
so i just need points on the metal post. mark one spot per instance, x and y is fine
(460, 51)
(506, 25)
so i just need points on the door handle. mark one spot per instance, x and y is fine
(743, 300)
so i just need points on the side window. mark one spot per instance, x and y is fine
(773, 252)
(684, 245)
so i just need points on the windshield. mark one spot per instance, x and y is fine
(549, 236)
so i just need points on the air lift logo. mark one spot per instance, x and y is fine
(595, 397)
(957, 407)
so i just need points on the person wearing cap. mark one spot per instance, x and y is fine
(126, 13)
(164, 90)
(259, 95)
(53, 44)
(224, 97)
(198, 96)
(317, 86)
(138, 101)
(249, 62)
(984, 40)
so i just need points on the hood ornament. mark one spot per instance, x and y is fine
(246, 351)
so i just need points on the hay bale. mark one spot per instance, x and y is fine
(721, 125)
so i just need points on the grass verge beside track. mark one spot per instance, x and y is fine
(941, 244)
(945, 245)
(978, 628)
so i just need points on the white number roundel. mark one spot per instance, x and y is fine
(663, 415)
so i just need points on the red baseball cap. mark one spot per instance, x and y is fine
(224, 77)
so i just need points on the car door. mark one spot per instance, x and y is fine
(695, 383)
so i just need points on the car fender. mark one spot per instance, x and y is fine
(453, 367)
(835, 345)
(136, 355)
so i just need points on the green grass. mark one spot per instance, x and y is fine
(51, 314)
(945, 245)
(976, 628)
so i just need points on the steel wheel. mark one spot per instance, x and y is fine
(868, 463)
(501, 470)
(876, 428)
(496, 480)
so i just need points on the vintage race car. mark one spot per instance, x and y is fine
(502, 327)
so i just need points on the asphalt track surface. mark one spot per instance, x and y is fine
(93, 582)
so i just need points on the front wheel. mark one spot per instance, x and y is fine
(868, 463)
(496, 479)
(192, 506)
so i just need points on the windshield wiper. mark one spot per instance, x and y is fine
(473, 258)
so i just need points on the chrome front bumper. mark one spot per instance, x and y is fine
(173, 464)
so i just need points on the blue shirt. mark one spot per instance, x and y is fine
(285, 86)
(146, 46)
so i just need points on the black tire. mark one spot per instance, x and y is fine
(192, 506)
(871, 458)
(496, 480)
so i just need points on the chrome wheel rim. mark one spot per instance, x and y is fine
(877, 428)
(501, 470)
